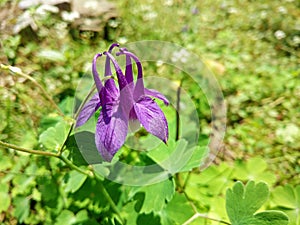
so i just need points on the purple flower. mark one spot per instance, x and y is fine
(121, 107)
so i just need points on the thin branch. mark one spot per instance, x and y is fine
(19, 72)
(84, 101)
(31, 151)
(74, 167)
(111, 202)
(201, 215)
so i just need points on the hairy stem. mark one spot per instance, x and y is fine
(19, 72)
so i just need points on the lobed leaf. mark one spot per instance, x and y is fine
(242, 203)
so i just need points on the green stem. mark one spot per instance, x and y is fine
(19, 72)
(178, 111)
(60, 151)
(111, 202)
(74, 167)
(84, 101)
(36, 152)
(197, 215)
(178, 176)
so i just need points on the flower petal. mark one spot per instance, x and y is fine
(157, 94)
(88, 110)
(151, 117)
(111, 90)
(111, 131)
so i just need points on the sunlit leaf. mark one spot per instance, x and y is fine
(242, 202)
(53, 138)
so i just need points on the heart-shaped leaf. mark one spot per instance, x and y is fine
(242, 203)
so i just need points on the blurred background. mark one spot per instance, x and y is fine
(252, 47)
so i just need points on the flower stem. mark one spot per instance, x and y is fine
(19, 72)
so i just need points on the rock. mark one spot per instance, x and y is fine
(94, 14)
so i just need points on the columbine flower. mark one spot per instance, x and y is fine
(130, 103)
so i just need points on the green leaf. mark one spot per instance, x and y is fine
(177, 211)
(22, 207)
(48, 189)
(175, 156)
(198, 155)
(242, 203)
(153, 198)
(74, 180)
(54, 137)
(82, 216)
(83, 149)
(288, 198)
(4, 197)
(65, 217)
(129, 213)
(209, 183)
(254, 169)
(271, 217)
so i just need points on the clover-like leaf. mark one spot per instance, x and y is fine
(242, 203)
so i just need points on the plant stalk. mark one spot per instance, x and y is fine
(197, 215)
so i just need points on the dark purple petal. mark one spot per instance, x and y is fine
(107, 71)
(111, 131)
(88, 110)
(157, 94)
(121, 78)
(151, 117)
(95, 73)
(112, 46)
(126, 98)
(111, 89)
(128, 70)
(139, 86)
